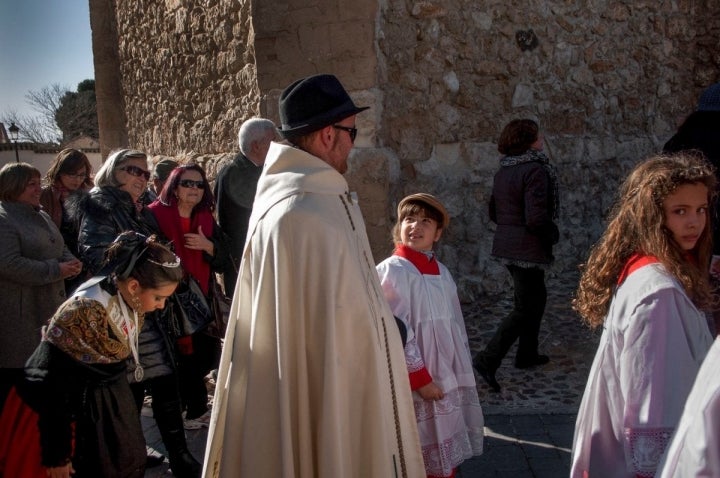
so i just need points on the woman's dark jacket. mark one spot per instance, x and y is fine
(103, 214)
(522, 206)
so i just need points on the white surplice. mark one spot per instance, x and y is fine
(695, 447)
(649, 354)
(312, 382)
(451, 429)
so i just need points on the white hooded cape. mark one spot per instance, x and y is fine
(312, 381)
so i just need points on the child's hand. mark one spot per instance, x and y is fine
(430, 392)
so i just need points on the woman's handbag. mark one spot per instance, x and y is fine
(220, 304)
(194, 312)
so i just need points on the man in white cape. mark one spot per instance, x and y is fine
(312, 381)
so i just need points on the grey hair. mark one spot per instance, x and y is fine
(253, 130)
(106, 174)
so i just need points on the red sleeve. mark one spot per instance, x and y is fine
(419, 379)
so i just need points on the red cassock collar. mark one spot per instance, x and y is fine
(635, 262)
(426, 265)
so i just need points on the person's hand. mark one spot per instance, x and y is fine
(199, 242)
(430, 392)
(70, 268)
(61, 471)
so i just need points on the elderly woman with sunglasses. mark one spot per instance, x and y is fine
(113, 206)
(184, 211)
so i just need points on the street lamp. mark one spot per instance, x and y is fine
(14, 134)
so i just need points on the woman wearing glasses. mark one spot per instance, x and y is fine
(184, 211)
(69, 173)
(113, 207)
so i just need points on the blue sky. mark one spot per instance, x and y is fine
(42, 42)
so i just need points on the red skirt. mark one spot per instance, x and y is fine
(19, 440)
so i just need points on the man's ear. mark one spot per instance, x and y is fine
(326, 136)
(438, 233)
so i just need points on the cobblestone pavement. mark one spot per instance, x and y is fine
(529, 425)
(553, 388)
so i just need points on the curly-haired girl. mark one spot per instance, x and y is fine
(645, 282)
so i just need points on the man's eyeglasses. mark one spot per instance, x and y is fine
(189, 183)
(136, 171)
(351, 131)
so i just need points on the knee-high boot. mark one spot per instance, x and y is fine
(170, 424)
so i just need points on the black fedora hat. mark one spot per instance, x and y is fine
(312, 103)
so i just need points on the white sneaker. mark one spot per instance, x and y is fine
(197, 423)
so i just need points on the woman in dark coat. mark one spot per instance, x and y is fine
(113, 206)
(524, 205)
(33, 263)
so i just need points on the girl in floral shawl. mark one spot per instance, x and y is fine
(76, 379)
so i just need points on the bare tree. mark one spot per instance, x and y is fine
(40, 128)
(32, 128)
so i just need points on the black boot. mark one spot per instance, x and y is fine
(170, 424)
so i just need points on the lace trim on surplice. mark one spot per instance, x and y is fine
(644, 447)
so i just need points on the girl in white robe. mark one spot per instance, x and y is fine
(645, 282)
(422, 294)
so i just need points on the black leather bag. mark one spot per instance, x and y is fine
(220, 304)
(194, 312)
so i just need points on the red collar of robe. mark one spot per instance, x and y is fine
(427, 266)
(635, 262)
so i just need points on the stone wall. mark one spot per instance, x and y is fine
(188, 71)
(608, 81)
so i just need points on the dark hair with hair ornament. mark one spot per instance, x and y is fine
(143, 258)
